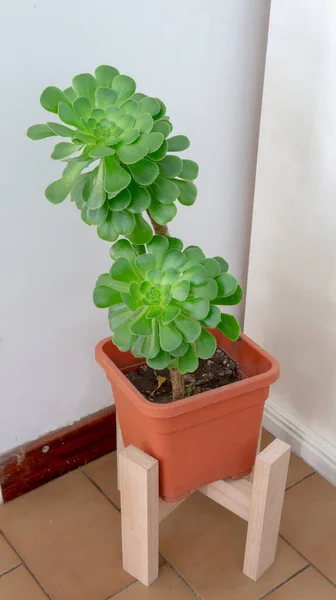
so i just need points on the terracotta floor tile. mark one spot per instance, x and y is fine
(308, 585)
(8, 558)
(19, 585)
(168, 587)
(104, 472)
(69, 536)
(309, 522)
(206, 544)
(297, 470)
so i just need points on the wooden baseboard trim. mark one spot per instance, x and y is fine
(28, 466)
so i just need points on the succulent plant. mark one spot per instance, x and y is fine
(125, 136)
(162, 299)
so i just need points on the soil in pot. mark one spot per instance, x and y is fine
(215, 372)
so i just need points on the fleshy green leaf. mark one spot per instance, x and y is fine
(85, 85)
(189, 328)
(131, 107)
(57, 191)
(142, 232)
(170, 338)
(101, 151)
(61, 129)
(137, 346)
(227, 285)
(105, 74)
(188, 363)
(77, 191)
(118, 315)
(124, 87)
(174, 259)
(124, 222)
(122, 270)
(164, 127)
(213, 317)
(162, 213)
(94, 217)
(197, 275)
(144, 172)
(212, 267)
(165, 190)
(39, 132)
(170, 313)
(82, 107)
(160, 153)
(144, 122)
(209, 290)
(170, 166)
(194, 255)
(198, 308)
(180, 350)
(149, 105)
(145, 262)
(106, 230)
(235, 298)
(63, 150)
(224, 266)
(116, 178)
(158, 246)
(131, 153)
(122, 249)
(177, 143)
(141, 325)
(120, 201)
(229, 326)
(104, 97)
(152, 141)
(68, 116)
(140, 198)
(98, 195)
(70, 94)
(160, 361)
(151, 344)
(189, 170)
(104, 296)
(180, 290)
(123, 338)
(205, 345)
(188, 192)
(175, 243)
(51, 97)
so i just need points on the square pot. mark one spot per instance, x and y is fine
(200, 439)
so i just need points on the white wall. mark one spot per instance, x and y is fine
(291, 295)
(205, 59)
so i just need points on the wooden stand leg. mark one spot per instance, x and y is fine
(269, 481)
(120, 447)
(139, 486)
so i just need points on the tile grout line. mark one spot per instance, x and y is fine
(307, 559)
(128, 586)
(300, 480)
(180, 576)
(26, 566)
(99, 488)
(12, 569)
(277, 587)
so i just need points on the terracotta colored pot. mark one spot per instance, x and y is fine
(200, 439)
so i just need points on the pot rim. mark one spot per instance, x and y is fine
(203, 399)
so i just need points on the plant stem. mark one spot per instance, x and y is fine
(177, 381)
(158, 229)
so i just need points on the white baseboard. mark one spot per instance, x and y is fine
(305, 442)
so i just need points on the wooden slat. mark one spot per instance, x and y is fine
(235, 495)
(120, 447)
(139, 479)
(269, 483)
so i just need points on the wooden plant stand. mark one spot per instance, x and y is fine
(258, 499)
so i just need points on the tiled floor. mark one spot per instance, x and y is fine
(62, 542)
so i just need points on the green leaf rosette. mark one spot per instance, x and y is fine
(162, 299)
(121, 157)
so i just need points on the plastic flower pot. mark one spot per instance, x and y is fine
(200, 439)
